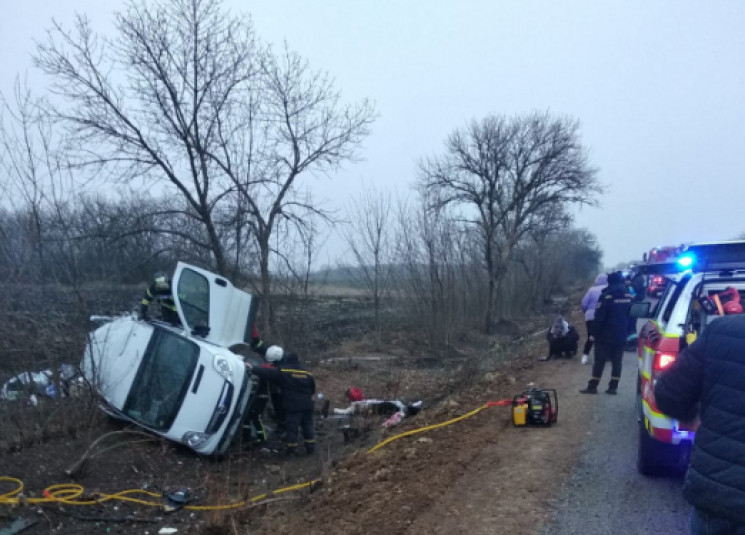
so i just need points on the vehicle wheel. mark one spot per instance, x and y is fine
(648, 454)
(639, 415)
(654, 458)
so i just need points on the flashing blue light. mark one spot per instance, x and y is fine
(686, 260)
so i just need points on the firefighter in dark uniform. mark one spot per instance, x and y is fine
(259, 400)
(611, 330)
(272, 355)
(258, 404)
(298, 388)
(160, 290)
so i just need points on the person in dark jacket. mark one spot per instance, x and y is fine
(639, 284)
(707, 381)
(611, 330)
(259, 401)
(589, 304)
(160, 290)
(272, 355)
(563, 340)
(298, 388)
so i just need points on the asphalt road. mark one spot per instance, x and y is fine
(606, 494)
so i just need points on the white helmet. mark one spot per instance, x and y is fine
(274, 354)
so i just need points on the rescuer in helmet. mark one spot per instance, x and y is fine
(298, 387)
(272, 355)
(160, 291)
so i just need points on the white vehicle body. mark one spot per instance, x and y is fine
(182, 383)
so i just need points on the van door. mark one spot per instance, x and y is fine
(210, 307)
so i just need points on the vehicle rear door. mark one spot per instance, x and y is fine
(210, 307)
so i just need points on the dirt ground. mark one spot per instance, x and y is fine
(480, 475)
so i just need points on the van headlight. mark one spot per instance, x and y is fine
(223, 367)
(194, 439)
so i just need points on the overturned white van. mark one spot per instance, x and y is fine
(180, 382)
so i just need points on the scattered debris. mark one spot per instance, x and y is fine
(41, 383)
(176, 500)
(16, 526)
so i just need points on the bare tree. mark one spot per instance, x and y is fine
(28, 170)
(149, 103)
(299, 127)
(508, 176)
(430, 274)
(369, 237)
(296, 249)
(39, 184)
(188, 97)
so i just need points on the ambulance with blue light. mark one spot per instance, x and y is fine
(706, 281)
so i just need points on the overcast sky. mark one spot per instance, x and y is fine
(658, 88)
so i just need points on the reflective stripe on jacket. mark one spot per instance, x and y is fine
(297, 384)
(164, 297)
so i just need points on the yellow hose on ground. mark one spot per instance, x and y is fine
(423, 429)
(69, 493)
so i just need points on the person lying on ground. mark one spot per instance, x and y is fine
(396, 410)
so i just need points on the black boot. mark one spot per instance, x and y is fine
(592, 387)
(612, 387)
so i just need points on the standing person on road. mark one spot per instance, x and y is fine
(708, 380)
(589, 303)
(638, 284)
(298, 387)
(611, 330)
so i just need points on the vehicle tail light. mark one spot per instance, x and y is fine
(663, 361)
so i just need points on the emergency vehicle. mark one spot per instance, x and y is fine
(656, 285)
(705, 281)
(662, 254)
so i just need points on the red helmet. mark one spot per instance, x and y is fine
(730, 298)
(355, 394)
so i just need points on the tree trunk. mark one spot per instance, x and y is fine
(266, 286)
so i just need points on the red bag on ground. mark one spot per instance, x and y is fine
(355, 394)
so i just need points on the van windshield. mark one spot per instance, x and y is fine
(162, 380)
